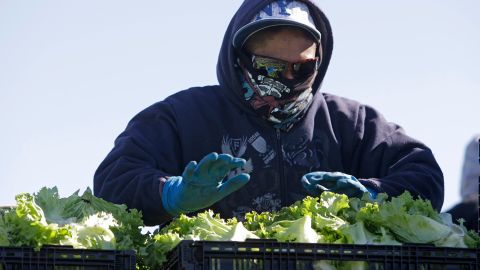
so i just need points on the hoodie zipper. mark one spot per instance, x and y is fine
(281, 169)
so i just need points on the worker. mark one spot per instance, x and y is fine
(267, 135)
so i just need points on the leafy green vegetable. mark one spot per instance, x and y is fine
(27, 225)
(76, 208)
(85, 221)
(322, 210)
(158, 248)
(93, 232)
(299, 230)
(3, 233)
(53, 206)
(472, 239)
(239, 233)
(203, 226)
(257, 222)
(82, 221)
(410, 220)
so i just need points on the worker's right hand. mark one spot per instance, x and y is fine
(201, 185)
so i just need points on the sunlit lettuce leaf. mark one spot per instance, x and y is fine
(239, 233)
(299, 230)
(53, 206)
(45, 218)
(28, 226)
(93, 232)
(128, 234)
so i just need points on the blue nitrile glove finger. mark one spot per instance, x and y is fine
(350, 186)
(233, 184)
(317, 182)
(202, 175)
(226, 163)
(201, 184)
(189, 170)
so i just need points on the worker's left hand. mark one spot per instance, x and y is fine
(317, 182)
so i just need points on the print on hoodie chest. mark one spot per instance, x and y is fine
(238, 146)
(298, 152)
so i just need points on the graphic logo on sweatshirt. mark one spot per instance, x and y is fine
(238, 146)
(260, 145)
(234, 147)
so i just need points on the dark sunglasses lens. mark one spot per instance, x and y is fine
(305, 69)
(275, 68)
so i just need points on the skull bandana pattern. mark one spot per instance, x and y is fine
(275, 101)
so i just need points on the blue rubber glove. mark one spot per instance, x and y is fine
(317, 182)
(201, 184)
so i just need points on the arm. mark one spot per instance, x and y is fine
(387, 160)
(144, 155)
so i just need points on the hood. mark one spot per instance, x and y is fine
(226, 71)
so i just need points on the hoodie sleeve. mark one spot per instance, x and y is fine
(144, 155)
(388, 160)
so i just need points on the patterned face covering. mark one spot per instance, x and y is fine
(279, 100)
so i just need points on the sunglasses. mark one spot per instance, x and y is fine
(276, 68)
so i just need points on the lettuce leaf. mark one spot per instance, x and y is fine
(93, 232)
(3, 233)
(82, 221)
(203, 226)
(128, 232)
(299, 230)
(28, 226)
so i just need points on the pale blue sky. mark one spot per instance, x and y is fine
(73, 73)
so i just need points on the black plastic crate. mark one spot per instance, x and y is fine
(275, 255)
(65, 258)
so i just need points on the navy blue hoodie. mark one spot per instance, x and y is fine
(336, 134)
